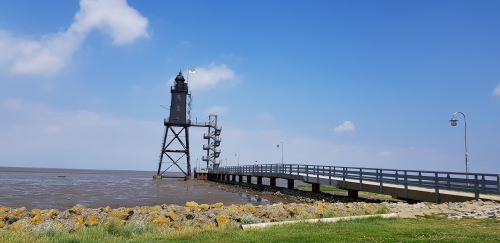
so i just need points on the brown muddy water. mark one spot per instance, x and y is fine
(63, 188)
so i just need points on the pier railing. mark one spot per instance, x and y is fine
(467, 182)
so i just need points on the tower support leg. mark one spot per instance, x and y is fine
(162, 152)
(188, 156)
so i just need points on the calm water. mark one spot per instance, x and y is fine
(62, 188)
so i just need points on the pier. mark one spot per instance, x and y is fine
(410, 185)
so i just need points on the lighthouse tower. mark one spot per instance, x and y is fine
(175, 151)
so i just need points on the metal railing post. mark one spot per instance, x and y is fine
(317, 174)
(436, 189)
(381, 178)
(360, 179)
(476, 190)
(330, 175)
(406, 184)
(343, 176)
(448, 180)
(498, 184)
(307, 172)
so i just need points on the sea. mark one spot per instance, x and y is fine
(61, 189)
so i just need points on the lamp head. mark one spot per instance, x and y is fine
(453, 122)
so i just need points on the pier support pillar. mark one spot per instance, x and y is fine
(259, 180)
(290, 184)
(272, 181)
(240, 178)
(352, 194)
(249, 179)
(315, 187)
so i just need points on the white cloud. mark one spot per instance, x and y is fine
(345, 127)
(496, 91)
(53, 52)
(217, 110)
(210, 76)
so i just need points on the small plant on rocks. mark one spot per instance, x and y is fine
(382, 209)
(249, 219)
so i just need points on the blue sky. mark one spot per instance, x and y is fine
(357, 83)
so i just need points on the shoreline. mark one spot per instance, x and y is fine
(218, 215)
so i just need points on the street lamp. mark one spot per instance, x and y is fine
(454, 123)
(238, 155)
(278, 146)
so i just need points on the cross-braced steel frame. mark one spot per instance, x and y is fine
(171, 155)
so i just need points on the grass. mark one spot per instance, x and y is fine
(323, 188)
(368, 230)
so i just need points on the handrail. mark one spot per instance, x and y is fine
(469, 182)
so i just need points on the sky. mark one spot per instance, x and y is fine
(348, 83)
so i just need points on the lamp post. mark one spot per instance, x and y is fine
(237, 155)
(278, 146)
(453, 123)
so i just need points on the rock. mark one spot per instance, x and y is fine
(248, 208)
(155, 208)
(204, 207)
(2, 224)
(221, 220)
(2, 216)
(191, 204)
(170, 214)
(233, 208)
(190, 216)
(192, 207)
(121, 213)
(52, 213)
(92, 220)
(4, 209)
(106, 209)
(217, 205)
(36, 211)
(37, 219)
(77, 209)
(78, 221)
(161, 220)
(19, 212)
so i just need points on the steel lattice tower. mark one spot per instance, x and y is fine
(176, 151)
(175, 147)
